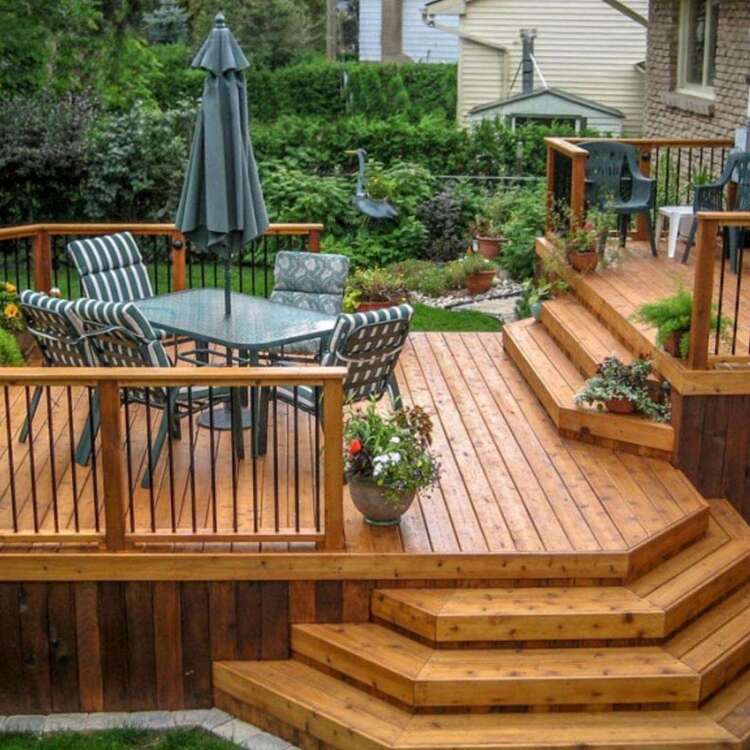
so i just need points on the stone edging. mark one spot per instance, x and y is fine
(212, 720)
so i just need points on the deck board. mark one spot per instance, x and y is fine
(509, 483)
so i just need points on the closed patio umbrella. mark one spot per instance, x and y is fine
(221, 207)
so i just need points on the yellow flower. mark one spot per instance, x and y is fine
(10, 288)
(11, 311)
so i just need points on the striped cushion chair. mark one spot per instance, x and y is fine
(368, 345)
(59, 334)
(111, 268)
(122, 337)
(312, 281)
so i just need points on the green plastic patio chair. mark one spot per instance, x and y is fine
(614, 184)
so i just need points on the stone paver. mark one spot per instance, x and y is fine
(106, 720)
(265, 741)
(245, 734)
(65, 723)
(215, 718)
(24, 723)
(154, 721)
(190, 718)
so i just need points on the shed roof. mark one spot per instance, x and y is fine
(554, 92)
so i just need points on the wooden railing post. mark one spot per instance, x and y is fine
(178, 252)
(550, 222)
(641, 233)
(113, 476)
(313, 242)
(578, 190)
(41, 257)
(703, 290)
(333, 439)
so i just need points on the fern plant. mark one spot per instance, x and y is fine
(672, 316)
(10, 352)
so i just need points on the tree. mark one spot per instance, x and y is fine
(167, 24)
(272, 33)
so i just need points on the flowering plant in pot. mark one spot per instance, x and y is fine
(672, 318)
(386, 460)
(373, 289)
(623, 389)
(11, 317)
(486, 234)
(478, 273)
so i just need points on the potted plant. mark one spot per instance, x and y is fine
(623, 389)
(373, 289)
(580, 246)
(534, 293)
(11, 317)
(672, 317)
(386, 460)
(487, 237)
(478, 273)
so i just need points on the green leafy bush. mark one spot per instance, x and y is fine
(526, 216)
(445, 218)
(10, 353)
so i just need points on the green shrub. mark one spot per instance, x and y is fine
(526, 217)
(446, 220)
(10, 353)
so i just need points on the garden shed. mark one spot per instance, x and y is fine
(551, 104)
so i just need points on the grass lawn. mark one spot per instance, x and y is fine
(435, 319)
(116, 739)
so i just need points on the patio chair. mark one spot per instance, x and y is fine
(111, 268)
(711, 198)
(121, 336)
(312, 281)
(368, 345)
(610, 169)
(59, 334)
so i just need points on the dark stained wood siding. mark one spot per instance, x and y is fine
(125, 646)
(712, 446)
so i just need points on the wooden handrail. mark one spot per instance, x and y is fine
(56, 228)
(706, 245)
(663, 142)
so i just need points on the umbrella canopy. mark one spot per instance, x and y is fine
(222, 207)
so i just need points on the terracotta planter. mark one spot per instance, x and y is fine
(489, 247)
(584, 262)
(620, 406)
(479, 283)
(672, 344)
(369, 499)
(369, 305)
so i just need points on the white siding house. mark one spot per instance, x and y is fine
(419, 42)
(584, 47)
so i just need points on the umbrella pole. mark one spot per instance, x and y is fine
(227, 286)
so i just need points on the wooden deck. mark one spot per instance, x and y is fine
(509, 484)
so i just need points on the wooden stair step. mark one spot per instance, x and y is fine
(520, 614)
(581, 335)
(318, 706)
(555, 381)
(418, 675)
(716, 644)
(693, 579)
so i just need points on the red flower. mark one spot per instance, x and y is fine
(355, 447)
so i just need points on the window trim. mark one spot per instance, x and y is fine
(693, 89)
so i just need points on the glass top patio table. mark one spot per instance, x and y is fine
(256, 324)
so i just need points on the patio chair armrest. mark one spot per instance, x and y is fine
(644, 189)
(709, 197)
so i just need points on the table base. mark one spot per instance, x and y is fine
(222, 418)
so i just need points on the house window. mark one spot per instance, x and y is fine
(699, 20)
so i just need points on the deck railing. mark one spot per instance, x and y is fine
(720, 328)
(206, 486)
(33, 256)
(673, 163)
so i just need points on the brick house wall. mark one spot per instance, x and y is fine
(672, 115)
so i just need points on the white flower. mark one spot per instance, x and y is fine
(395, 439)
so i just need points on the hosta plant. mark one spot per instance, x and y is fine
(616, 381)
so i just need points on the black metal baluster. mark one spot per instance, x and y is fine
(667, 172)
(191, 437)
(316, 478)
(11, 462)
(678, 175)
(296, 459)
(254, 395)
(214, 518)
(149, 459)
(737, 299)
(657, 169)
(722, 274)
(92, 457)
(276, 517)
(169, 414)
(32, 462)
(73, 471)
(690, 175)
(52, 464)
(129, 458)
